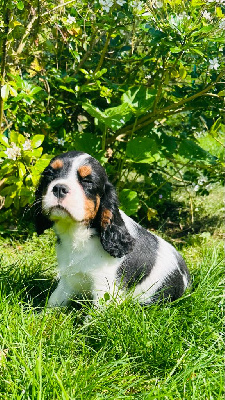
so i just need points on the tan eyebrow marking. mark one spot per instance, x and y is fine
(106, 218)
(84, 171)
(57, 164)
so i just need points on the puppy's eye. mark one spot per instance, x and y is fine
(87, 180)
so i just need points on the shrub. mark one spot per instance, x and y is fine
(138, 85)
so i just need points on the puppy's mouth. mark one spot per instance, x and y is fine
(58, 212)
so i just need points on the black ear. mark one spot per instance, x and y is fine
(40, 220)
(115, 238)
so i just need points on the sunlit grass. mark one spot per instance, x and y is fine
(173, 351)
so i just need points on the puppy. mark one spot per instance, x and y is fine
(99, 248)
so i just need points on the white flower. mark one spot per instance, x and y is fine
(196, 188)
(121, 2)
(61, 141)
(222, 24)
(206, 15)
(136, 4)
(202, 180)
(106, 4)
(157, 4)
(13, 152)
(214, 64)
(179, 19)
(71, 20)
(27, 145)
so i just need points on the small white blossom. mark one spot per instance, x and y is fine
(61, 141)
(202, 180)
(121, 2)
(196, 188)
(13, 152)
(214, 64)
(71, 20)
(206, 15)
(157, 4)
(179, 19)
(106, 4)
(122, 121)
(222, 24)
(136, 4)
(27, 145)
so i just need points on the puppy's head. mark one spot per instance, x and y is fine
(75, 188)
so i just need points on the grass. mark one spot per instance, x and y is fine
(172, 352)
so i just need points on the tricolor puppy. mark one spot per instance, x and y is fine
(99, 248)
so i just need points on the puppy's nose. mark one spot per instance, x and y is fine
(60, 191)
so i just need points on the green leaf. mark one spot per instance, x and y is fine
(182, 71)
(20, 5)
(113, 118)
(100, 73)
(14, 137)
(140, 99)
(8, 190)
(129, 201)
(88, 143)
(191, 150)
(8, 201)
(221, 93)
(35, 90)
(4, 140)
(21, 139)
(175, 50)
(37, 152)
(197, 51)
(215, 127)
(106, 296)
(67, 89)
(22, 170)
(94, 112)
(219, 12)
(142, 150)
(5, 92)
(118, 116)
(37, 140)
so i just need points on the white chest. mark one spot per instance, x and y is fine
(84, 263)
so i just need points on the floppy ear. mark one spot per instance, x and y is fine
(114, 235)
(40, 220)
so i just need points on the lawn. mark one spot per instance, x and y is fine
(174, 351)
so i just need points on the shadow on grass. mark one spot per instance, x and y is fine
(34, 288)
(176, 221)
(29, 286)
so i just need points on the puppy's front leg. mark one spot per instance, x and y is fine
(62, 294)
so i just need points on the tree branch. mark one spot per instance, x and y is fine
(25, 36)
(103, 53)
(172, 108)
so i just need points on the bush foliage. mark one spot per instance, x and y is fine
(138, 85)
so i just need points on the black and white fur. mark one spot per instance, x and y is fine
(99, 248)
